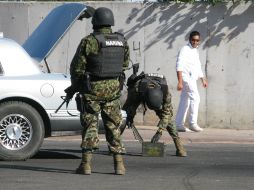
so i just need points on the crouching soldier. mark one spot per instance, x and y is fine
(152, 91)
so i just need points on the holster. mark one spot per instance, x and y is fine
(80, 103)
(87, 83)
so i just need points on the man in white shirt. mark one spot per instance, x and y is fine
(188, 68)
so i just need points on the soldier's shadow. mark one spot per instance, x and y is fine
(103, 152)
(72, 154)
(35, 168)
(57, 154)
(46, 169)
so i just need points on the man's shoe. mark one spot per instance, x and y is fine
(196, 128)
(182, 129)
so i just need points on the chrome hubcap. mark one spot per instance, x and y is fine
(15, 131)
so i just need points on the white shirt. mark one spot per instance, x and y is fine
(189, 63)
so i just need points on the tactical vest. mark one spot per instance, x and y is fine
(155, 78)
(108, 63)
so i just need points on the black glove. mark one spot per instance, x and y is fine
(157, 136)
(129, 123)
(69, 92)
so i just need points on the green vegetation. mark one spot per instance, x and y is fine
(166, 1)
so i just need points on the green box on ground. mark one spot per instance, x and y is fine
(153, 149)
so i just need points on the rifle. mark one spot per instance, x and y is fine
(70, 91)
(65, 100)
(135, 132)
(135, 68)
(132, 79)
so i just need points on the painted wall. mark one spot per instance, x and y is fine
(155, 33)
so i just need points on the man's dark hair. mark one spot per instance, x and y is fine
(194, 33)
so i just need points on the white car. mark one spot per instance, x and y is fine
(30, 97)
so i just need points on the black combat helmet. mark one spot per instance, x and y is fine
(103, 17)
(154, 97)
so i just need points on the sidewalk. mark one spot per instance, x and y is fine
(209, 135)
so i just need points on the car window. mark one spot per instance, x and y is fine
(1, 69)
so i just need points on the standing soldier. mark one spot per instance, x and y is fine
(152, 91)
(96, 71)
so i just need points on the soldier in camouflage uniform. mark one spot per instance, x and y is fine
(141, 89)
(100, 59)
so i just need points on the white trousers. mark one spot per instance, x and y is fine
(189, 103)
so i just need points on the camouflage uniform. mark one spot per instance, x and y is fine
(134, 99)
(165, 114)
(104, 98)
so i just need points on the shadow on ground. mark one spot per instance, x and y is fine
(57, 154)
(71, 154)
(35, 168)
(46, 169)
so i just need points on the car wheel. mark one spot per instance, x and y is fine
(21, 131)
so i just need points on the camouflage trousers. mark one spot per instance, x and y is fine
(165, 113)
(112, 118)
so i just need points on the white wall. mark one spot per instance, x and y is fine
(155, 33)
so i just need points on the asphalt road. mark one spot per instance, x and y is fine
(207, 167)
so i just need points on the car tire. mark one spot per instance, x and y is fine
(21, 130)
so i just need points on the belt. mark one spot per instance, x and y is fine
(95, 78)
